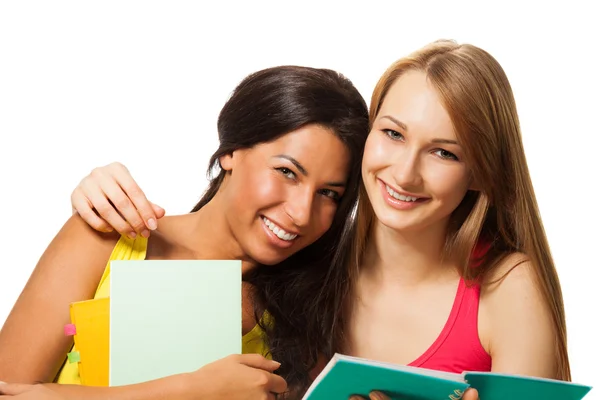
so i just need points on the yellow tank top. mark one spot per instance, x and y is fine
(135, 249)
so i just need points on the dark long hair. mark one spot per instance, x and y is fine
(302, 293)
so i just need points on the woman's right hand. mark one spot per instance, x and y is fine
(235, 377)
(109, 198)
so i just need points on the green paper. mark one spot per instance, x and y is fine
(169, 317)
(74, 357)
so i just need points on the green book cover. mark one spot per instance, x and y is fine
(492, 386)
(169, 317)
(345, 376)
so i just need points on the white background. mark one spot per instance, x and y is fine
(86, 83)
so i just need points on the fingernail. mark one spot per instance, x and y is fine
(276, 363)
(146, 233)
(2, 383)
(131, 235)
(152, 224)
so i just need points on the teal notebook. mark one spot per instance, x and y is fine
(169, 317)
(344, 376)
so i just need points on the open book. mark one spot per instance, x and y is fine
(344, 376)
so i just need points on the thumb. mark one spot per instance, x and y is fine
(471, 394)
(13, 389)
(158, 211)
(258, 361)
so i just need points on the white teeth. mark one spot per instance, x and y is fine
(281, 234)
(399, 196)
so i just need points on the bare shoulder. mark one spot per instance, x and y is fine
(81, 244)
(515, 321)
(77, 230)
(174, 238)
(514, 272)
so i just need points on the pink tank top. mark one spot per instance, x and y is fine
(458, 347)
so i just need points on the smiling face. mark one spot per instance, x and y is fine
(412, 167)
(282, 195)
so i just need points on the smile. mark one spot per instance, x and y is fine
(399, 196)
(279, 231)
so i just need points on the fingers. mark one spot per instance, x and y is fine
(158, 211)
(95, 196)
(84, 208)
(110, 198)
(145, 215)
(375, 395)
(121, 202)
(471, 394)
(257, 361)
(276, 384)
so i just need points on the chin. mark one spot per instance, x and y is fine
(399, 223)
(270, 260)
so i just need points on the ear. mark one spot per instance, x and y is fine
(226, 162)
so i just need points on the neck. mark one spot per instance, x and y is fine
(210, 237)
(405, 257)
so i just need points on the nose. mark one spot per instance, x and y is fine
(406, 170)
(299, 206)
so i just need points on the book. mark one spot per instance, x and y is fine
(169, 317)
(91, 319)
(344, 376)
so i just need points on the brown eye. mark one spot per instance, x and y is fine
(288, 173)
(332, 194)
(445, 154)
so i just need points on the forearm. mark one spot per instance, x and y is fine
(172, 387)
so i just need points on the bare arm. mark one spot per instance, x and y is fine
(166, 388)
(32, 341)
(236, 377)
(517, 324)
(33, 345)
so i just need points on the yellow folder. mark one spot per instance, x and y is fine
(91, 319)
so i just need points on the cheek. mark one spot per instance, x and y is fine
(375, 152)
(256, 191)
(451, 185)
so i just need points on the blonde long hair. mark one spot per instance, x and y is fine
(504, 212)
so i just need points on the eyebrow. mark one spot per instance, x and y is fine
(445, 141)
(303, 170)
(403, 126)
(396, 121)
